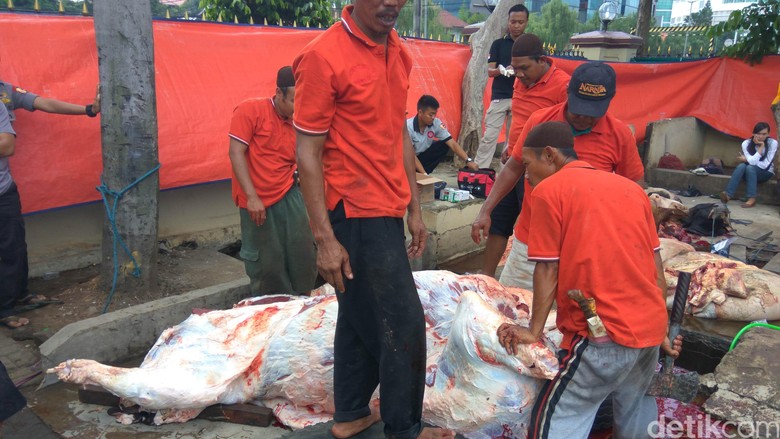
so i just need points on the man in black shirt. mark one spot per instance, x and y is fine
(500, 69)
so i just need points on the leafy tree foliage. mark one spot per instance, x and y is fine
(758, 29)
(468, 16)
(555, 24)
(701, 18)
(405, 22)
(301, 12)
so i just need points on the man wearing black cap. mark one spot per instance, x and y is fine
(276, 242)
(608, 250)
(600, 139)
(540, 84)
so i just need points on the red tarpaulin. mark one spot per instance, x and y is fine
(204, 69)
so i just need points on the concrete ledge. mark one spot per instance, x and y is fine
(121, 335)
(450, 226)
(711, 184)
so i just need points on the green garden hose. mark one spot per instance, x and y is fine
(752, 325)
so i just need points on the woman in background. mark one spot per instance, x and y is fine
(757, 157)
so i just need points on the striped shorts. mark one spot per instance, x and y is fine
(589, 373)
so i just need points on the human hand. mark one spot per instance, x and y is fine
(256, 210)
(504, 156)
(419, 235)
(332, 261)
(672, 350)
(472, 165)
(741, 158)
(96, 102)
(480, 228)
(511, 335)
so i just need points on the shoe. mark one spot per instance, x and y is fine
(750, 203)
(700, 171)
(724, 197)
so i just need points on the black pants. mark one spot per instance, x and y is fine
(380, 331)
(11, 400)
(13, 252)
(431, 157)
(504, 216)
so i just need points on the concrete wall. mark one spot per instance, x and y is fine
(681, 136)
(722, 146)
(692, 141)
(70, 238)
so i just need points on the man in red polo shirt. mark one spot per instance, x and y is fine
(276, 242)
(599, 139)
(609, 250)
(540, 84)
(357, 174)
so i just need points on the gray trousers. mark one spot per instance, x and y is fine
(589, 373)
(518, 270)
(500, 111)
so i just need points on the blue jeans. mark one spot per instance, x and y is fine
(752, 175)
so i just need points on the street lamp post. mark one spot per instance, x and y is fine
(607, 13)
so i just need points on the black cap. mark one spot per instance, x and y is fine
(591, 88)
(285, 77)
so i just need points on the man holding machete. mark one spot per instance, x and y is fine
(610, 250)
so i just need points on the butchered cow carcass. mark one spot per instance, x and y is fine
(278, 352)
(721, 288)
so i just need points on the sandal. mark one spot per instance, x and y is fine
(31, 299)
(724, 197)
(34, 301)
(14, 322)
(750, 203)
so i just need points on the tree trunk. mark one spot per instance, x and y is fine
(128, 124)
(476, 77)
(643, 19)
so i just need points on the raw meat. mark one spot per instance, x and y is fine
(278, 352)
(722, 288)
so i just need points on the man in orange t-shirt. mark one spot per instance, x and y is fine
(539, 84)
(600, 139)
(357, 174)
(276, 242)
(608, 249)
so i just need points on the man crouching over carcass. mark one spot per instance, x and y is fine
(592, 231)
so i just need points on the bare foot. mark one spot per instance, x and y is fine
(14, 322)
(436, 433)
(344, 430)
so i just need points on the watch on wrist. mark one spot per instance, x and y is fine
(469, 159)
(89, 112)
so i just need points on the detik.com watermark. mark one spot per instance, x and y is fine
(703, 426)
